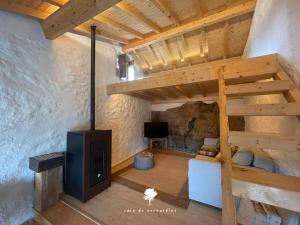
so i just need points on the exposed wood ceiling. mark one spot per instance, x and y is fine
(159, 34)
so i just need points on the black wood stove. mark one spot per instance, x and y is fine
(88, 157)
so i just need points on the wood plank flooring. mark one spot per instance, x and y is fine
(111, 208)
(169, 177)
(60, 214)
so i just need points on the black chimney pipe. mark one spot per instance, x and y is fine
(93, 46)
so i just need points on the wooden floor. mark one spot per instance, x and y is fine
(169, 177)
(110, 208)
(60, 214)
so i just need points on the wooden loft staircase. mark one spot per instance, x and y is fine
(254, 184)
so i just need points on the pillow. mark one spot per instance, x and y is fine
(209, 153)
(208, 148)
(243, 157)
(263, 161)
(210, 141)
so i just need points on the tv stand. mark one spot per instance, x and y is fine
(164, 142)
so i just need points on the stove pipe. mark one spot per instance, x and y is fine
(92, 105)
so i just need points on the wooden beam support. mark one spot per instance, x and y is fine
(269, 188)
(166, 11)
(138, 15)
(229, 13)
(141, 95)
(201, 89)
(274, 141)
(277, 109)
(153, 53)
(203, 46)
(143, 58)
(167, 92)
(293, 95)
(261, 88)
(225, 39)
(106, 20)
(10, 6)
(183, 91)
(73, 14)
(155, 94)
(180, 52)
(235, 70)
(85, 30)
(228, 207)
(164, 59)
(196, 98)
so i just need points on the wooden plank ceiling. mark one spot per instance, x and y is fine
(159, 34)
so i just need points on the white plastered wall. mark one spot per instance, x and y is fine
(44, 92)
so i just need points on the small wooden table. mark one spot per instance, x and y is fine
(164, 142)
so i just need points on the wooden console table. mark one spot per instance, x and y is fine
(164, 142)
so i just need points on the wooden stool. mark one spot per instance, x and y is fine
(164, 142)
(48, 178)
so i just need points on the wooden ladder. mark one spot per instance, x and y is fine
(270, 188)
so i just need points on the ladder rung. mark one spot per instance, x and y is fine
(279, 109)
(265, 140)
(255, 184)
(262, 88)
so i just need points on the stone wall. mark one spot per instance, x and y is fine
(190, 123)
(44, 92)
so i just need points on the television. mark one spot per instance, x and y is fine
(156, 129)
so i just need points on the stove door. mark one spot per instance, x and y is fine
(98, 160)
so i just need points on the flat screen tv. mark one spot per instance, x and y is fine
(156, 129)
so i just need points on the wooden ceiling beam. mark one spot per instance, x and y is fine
(168, 53)
(106, 20)
(142, 95)
(10, 6)
(163, 59)
(143, 59)
(183, 91)
(156, 94)
(73, 14)
(153, 53)
(231, 12)
(166, 11)
(180, 52)
(168, 92)
(196, 98)
(58, 3)
(85, 30)
(138, 15)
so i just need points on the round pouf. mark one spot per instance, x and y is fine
(143, 161)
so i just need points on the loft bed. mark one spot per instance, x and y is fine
(235, 78)
(199, 82)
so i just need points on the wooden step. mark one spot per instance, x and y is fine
(270, 188)
(282, 142)
(279, 109)
(262, 88)
(292, 95)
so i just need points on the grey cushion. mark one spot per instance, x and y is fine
(243, 158)
(263, 162)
